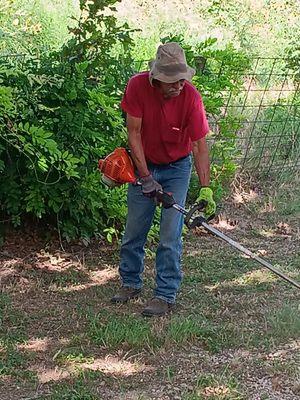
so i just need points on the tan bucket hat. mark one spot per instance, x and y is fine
(170, 64)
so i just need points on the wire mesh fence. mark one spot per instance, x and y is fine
(268, 133)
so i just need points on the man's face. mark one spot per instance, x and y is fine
(171, 89)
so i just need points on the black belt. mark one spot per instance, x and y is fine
(150, 163)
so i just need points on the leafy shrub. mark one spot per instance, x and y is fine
(58, 116)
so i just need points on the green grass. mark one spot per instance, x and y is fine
(12, 322)
(216, 387)
(133, 332)
(169, 372)
(76, 390)
(182, 330)
(284, 323)
(71, 276)
(231, 273)
(196, 329)
(249, 323)
(289, 368)
(287, 198)
(71, 355)
(13, 362)
(111, 331)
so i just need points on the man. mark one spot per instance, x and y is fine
(166, 122)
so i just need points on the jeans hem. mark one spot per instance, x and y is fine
(164, 299)
(128, 285)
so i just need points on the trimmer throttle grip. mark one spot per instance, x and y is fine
(166, 199)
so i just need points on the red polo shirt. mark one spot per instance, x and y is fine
(169, 126)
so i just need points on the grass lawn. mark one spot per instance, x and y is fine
(235, 333)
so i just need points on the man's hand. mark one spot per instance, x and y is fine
(206, 194)
(149, 186)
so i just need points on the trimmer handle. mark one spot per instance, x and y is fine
(166, 199)
(191, 220)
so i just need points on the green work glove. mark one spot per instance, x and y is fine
(206, 194)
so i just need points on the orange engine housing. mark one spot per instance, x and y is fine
(118, 167)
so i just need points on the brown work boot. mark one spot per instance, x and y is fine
(125, 294)
(157, 307)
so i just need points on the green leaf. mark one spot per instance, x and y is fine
(42, 163)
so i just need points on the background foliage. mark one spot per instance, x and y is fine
(259, 27)
(35, 26)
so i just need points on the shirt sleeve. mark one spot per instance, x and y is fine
(131, 102)
(198, 124)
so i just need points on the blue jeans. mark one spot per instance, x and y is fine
(174, 178)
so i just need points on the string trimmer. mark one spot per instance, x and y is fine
(117, 169)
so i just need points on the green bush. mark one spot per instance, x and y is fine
(58, 116)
